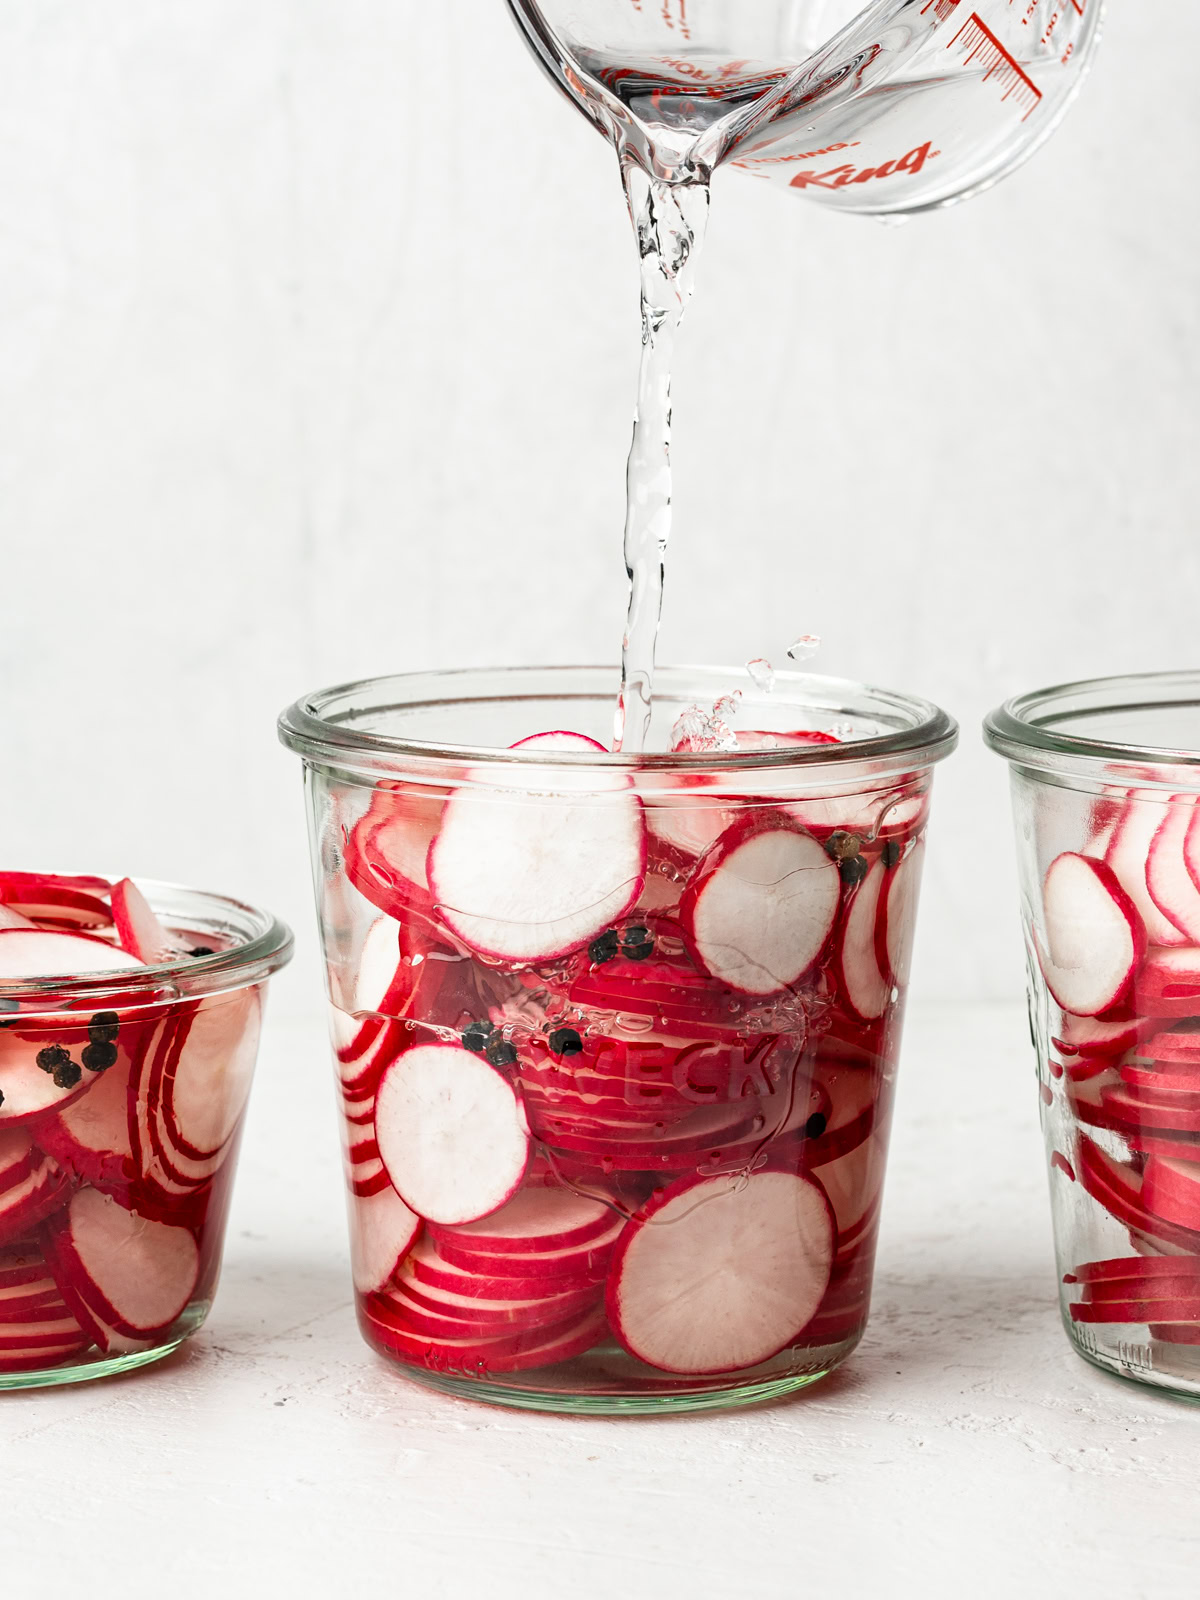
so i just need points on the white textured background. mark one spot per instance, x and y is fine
(317, 349)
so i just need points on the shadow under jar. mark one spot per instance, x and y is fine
(1106, 794)
(615, 1035)
(123, 1088)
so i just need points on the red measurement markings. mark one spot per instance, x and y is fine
(940, 8)
(980, 45)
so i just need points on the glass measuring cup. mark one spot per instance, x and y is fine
(898, 106)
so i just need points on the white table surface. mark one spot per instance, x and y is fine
(964, 1451)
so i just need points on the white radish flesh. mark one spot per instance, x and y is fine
(762, 908)
(139, 930)
(382, 1232)
(1171, 1189)
(452, 1133)
(1128, 853)
(538, 1219)
(1094, 935)
(899, 913)
(526, 875)
(39, 953)
(865, 987)
(1168, 880)
(207, 1081)
(719, 1274)
(135, 1273)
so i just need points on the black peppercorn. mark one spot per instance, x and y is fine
(842, 846)
(604, 947)
(816, 1125)
(98, 1057)
(53, 1058)
(475, 1036)
(566, 1042)
(67, 1075)
(202, 950)
(853, 870)
(891, 853)
(500, 1054)
(637, 944)
(104, 1028)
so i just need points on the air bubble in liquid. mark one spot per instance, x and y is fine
(805, 647)
(762, 674)
(842, 730)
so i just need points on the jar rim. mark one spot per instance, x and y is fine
(317, 726)
(264, 946)
(1022, 729)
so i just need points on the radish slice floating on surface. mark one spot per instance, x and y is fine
(40, 953)
(533, 873)
(452, 1133)
(1094, 935)
(382, 1232)
(139, 930)
(719, 1274)
(762, 905)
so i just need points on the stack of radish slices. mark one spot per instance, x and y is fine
(1121, 956)
(612, 1066)
(118, 1123)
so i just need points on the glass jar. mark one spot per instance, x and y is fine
(615, 1035)
(1106, 788)
(122, 1095)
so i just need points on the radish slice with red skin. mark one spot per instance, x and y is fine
(38, 953)
(759, 911)
(1185, 1311)
(1094, 935)
(1128, 854)
(139, 1275)
(1161, 1079)
(1118, 1188)
(382, 1232)
(537, 1316)
(452, 1133)
(529, 874)
(1167, 1048)
(853, 1184)
(29, 1091)
(139, 930)
(1098, 1035)
(1168, 880)
(560, 739)
(14, 919)
(719, 1274)
(23, 1208)
(427, 1267)
(206, 1077)
(1137, 1268)
(1171, 1189)
(584, 1263)
(898, 912)
(377, 964)
(1174, 1147)
(1168, 984)
(1180, 1285)
(537, 1219)
(478, 1357)
(64, 901)
(865, 988)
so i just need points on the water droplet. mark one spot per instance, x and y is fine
(728, 704)
(842, 730)
(805, 647)
(762, 674)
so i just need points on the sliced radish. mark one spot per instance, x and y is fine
(853, 1184)
(537, 1219)
(1185, 1311)
(516, 1352)
(57, 900)
(28, 1203)
(1168, 879)
(719, 1274)
(382, 1232)
(1182, 1284)
(759, 911)
(1168, 984)
(206, 1076)
(1161, 1080)
(1174, 1048)
(865, 988)
(531, 874)
(898, 912)
(1118, 1188)
(1085, 1036)
(14, 919)
(452, 1133)
(571, 1266)
(428, 1268)
(29, 1090)
(1175, 1147)
(1094, 935)
(1128, 856)
(139, 930)
(377, 964)
(560, 739)
(136, 1274)
(38, 953)
(1137, 1268)
(1171, 1189)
